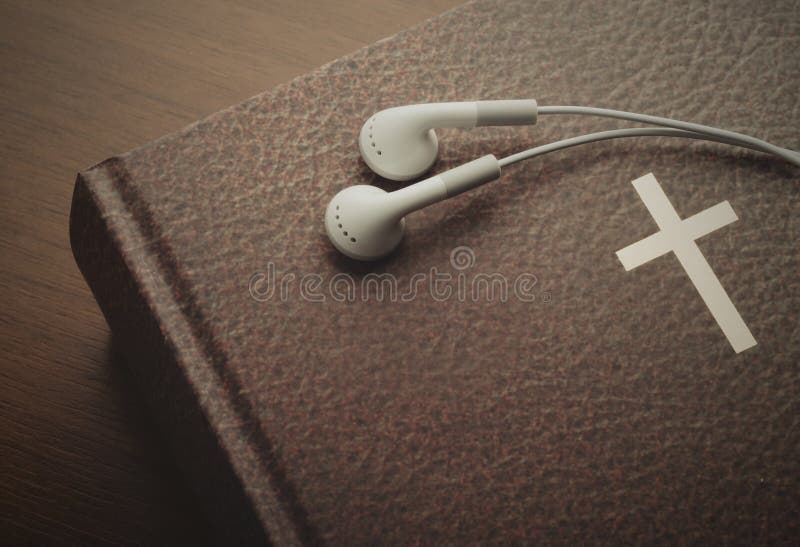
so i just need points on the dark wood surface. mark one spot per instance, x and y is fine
(80, 458)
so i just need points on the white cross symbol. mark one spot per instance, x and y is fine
(679, 236)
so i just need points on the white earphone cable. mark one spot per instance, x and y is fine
(634, 132)
(731, 137)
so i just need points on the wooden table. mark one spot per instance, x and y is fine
(80, 458)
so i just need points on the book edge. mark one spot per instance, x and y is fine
(166, 384)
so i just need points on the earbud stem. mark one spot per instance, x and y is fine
(516, 112)
(472, 113)
(470, 175)
(444, 185)
(433, 115)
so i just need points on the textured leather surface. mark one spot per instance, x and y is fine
(609, 409)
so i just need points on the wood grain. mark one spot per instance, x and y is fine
(82, 80)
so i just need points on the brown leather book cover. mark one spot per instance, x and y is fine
(502, 376)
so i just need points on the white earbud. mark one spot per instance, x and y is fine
(400, 143)
(366, 223)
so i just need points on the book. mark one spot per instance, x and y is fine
(530, 364)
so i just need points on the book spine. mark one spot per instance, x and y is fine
(102, 235)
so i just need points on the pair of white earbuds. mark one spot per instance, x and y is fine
(367, 223)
